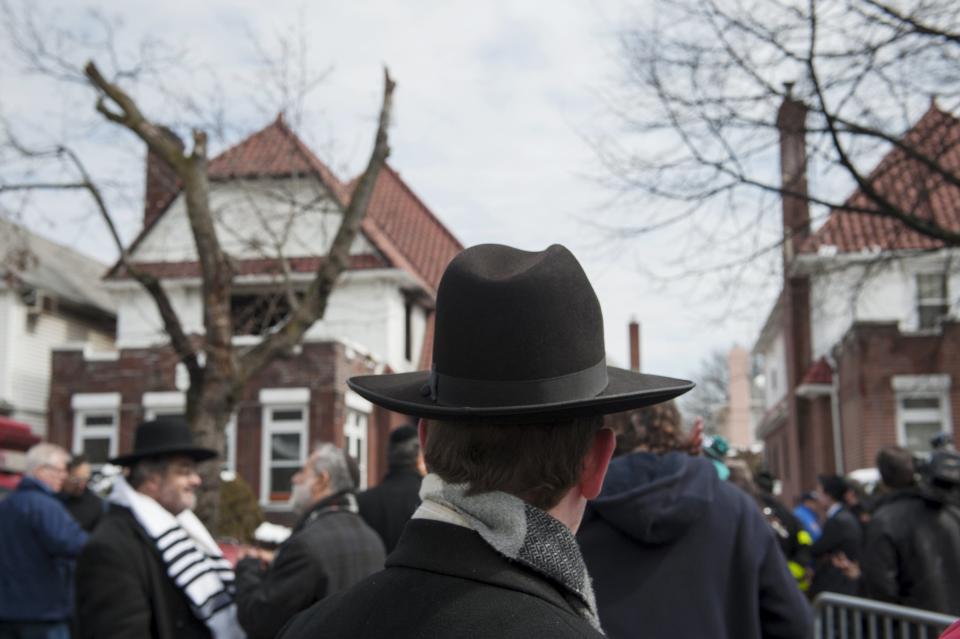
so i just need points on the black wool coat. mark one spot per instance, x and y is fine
(330, 550)
(388, 507)
(912, 552)
(841, 533)
(445, 581)
(123, 590)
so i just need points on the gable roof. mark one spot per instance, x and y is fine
(56, 269)
(405, 233)
(909, 185)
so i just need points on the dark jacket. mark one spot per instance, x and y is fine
(841, 533)
(912, 552)
(388, 507)
(330, 550)
(675, 552)
(123, 590)
(38, 542)
(86, 508)
(445, 581)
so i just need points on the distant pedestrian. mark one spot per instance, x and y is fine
(330, 549)
(38, 543)
(912, 551)
(674, 551)
(807, 511)
(151, 568)
(514, 442)
(841, 538)
(83, 504)
(389, 506)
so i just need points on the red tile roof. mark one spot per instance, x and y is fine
(907, 184)
(398, 224)
(818, 373)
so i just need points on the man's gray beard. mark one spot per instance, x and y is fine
(300, 498)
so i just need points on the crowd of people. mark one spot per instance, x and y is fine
(542, 493)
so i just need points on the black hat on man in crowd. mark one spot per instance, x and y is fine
(163, 437)
(517, 333)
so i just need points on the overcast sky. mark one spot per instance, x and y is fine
(495, 102)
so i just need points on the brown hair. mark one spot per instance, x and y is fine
(656, 429)
(896, 467)
(537, 462)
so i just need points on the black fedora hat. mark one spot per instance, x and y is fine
(517, 333)
(163, 438)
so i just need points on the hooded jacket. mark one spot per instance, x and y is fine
(913, 545)
(675, 552)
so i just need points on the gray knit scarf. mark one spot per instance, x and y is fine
(518, 531)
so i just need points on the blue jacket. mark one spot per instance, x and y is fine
(38, 542)
(675, 552)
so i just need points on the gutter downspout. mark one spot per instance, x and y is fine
(835, 416)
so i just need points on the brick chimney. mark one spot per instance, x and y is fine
(161, 181)
(792, 124)
(634, 345)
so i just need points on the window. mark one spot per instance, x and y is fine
(355, 431)
(932, 302)
(284, 443)
(408, 331)
(923, 409)
(96, 417)
(258, 313)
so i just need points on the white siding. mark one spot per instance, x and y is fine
(253, 218)
(881, 291)
(774, 371)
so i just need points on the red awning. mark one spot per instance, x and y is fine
(16, 435)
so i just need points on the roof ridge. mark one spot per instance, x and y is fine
(324, 172)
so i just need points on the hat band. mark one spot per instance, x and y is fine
(459, 391)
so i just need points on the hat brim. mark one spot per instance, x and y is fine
(195, 453)
(402, 392)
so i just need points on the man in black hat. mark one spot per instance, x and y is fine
(389, 506)
(513, 439)
(151, 568)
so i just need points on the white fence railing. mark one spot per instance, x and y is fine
(844, 617)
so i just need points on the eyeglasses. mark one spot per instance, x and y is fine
(60, 470)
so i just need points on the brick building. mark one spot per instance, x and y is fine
(271, 196)
(863, 344)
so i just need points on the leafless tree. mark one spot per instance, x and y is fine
(218, 369)
(710, 397)
(696, 142)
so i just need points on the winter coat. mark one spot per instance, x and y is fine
(330, 550)
(87, 508)
(123, 590)
(443, 580)
(841, 533)
(912, 552)
(388, 507)
(676, 552)
(38, 543)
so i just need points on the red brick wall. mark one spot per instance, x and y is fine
(321, 367)
(869, 356)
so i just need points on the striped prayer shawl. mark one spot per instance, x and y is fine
(192, 559)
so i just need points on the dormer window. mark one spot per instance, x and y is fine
(258, 313)
(932, 302)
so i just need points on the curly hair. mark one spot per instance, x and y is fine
(655, 429)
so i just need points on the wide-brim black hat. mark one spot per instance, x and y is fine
(517, 333)
(163, 438)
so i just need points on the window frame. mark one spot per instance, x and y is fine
(921, 387)
(931, 302)
(85, 405)
(358, 430)
(279, 399)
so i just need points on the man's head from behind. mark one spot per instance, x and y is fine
(653, 429)
(326, 472)
(47, 463)
(896, 467)
(171, 481)
(403, 449)
(832, 490)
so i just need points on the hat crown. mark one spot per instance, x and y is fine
(160, 434)
(510, 315)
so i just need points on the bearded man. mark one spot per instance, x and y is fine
(330, 549)
(151, 568)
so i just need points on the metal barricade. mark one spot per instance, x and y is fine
(845, 617)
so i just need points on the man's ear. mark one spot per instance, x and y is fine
(422, 433)
(596, 462)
